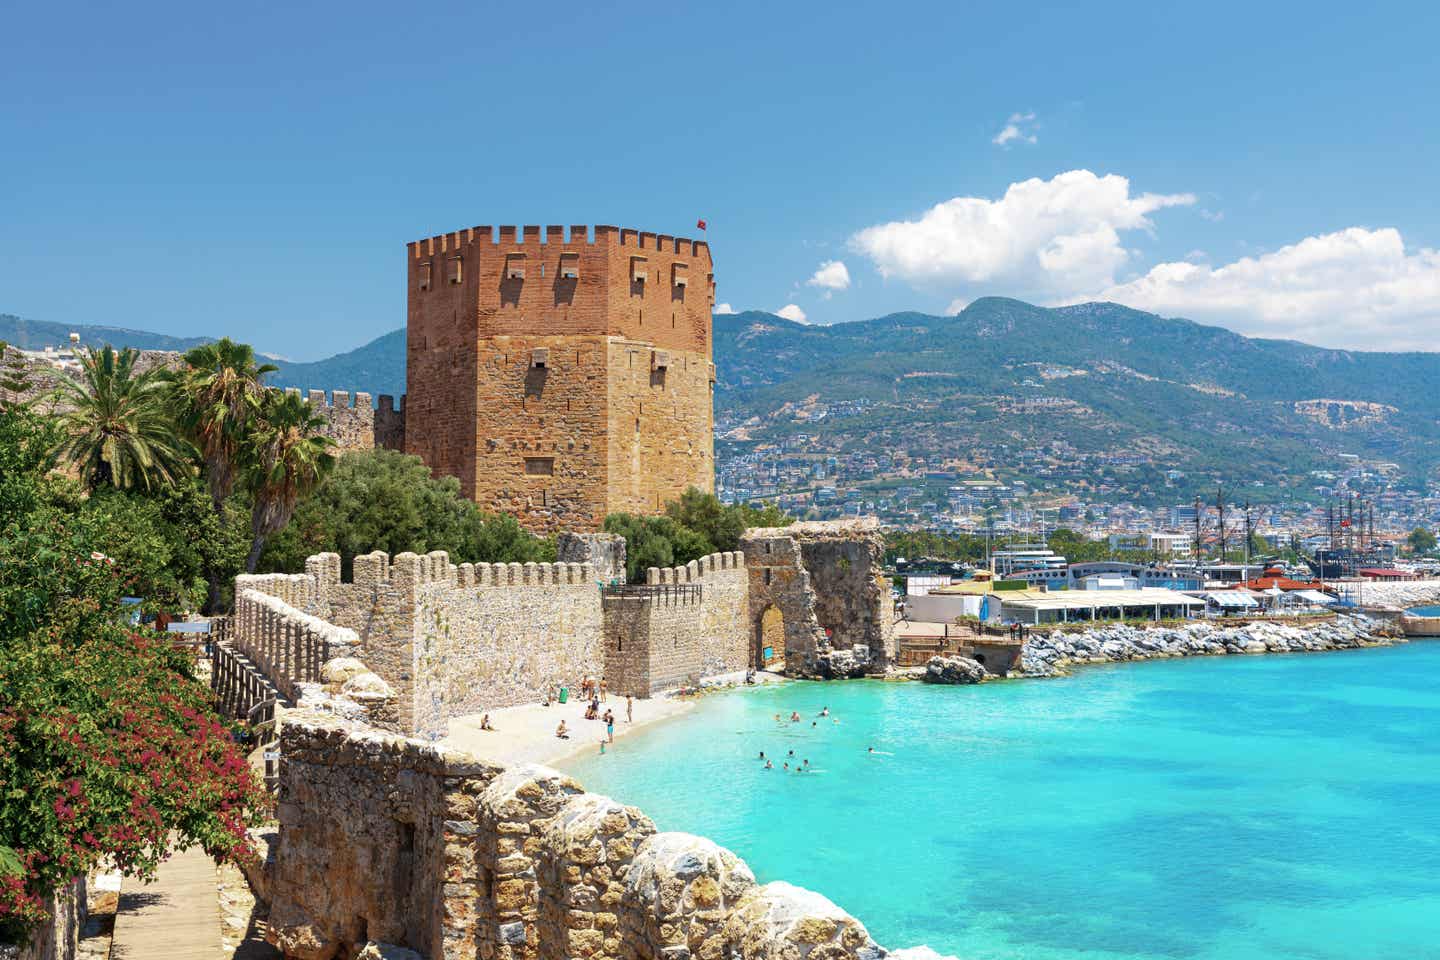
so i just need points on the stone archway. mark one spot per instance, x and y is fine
(769, 649)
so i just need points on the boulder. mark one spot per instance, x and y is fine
(953, 670)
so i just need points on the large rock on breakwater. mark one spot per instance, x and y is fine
(953, 670)
(1045, 654)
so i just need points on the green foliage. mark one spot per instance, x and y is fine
(108, 745)
(218, 398)
(286, 457)
(385, 500)
(118, 428)
(695, 525)
(914, 544)
(1421, 540)
(1077, 549)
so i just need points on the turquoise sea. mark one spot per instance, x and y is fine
(1225, 807)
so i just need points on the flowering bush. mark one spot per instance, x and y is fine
(109, 748)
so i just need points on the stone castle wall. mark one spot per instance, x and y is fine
(498, 635)
(384, 839)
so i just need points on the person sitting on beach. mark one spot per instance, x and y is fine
(485, 723)
(592, 711)
(561, 732)
(547, 697)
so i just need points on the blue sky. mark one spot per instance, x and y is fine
(255, 170)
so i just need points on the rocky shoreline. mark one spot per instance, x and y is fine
(1048, 654)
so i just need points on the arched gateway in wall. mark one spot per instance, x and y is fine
(769, 649)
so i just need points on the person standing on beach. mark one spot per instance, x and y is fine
(629, 708)
(604, 691)
(610, 725)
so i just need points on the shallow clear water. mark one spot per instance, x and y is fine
(1223, 807)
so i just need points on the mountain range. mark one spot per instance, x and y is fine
(1085, 388)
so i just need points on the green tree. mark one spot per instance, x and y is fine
(656, 542)
(290, 457)
(118, 428)
(1421, 540)
(219, 396)
(109, 748)
(386, 500)
(719, 523)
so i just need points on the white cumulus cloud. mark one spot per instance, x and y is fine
(791, 312)
(1043, 238)
(724, 308)
(1020, 126)
(1356, 288)
(830, 276)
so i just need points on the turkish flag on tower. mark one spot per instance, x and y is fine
(700, 224)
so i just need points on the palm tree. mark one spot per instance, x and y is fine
(291, 457)
(118, 429)
(219, 394)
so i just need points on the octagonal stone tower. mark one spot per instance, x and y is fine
(562, 377)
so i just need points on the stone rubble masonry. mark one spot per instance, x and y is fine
(825, 579)
(499, 635)
(387, 842)
(565, 378)
(669, 639)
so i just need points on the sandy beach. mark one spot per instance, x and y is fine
(526, 734)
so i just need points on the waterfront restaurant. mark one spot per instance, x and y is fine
(1068, 606)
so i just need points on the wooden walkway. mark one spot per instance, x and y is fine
(176, 917)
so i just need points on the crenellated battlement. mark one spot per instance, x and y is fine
(413, 571)
(577, 236)
(696, 571)
(335, 399)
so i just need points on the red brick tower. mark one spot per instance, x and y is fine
(565, 378)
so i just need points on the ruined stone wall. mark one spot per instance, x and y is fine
(825, 579)
(852, 597)
(393, 840)
(778, 581)
(498, 635)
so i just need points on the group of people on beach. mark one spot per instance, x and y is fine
(594, 693)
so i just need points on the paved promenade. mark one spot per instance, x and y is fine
(177, 917)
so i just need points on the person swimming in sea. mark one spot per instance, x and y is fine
(769, 765)
(794, 716)
(762, 754)
(825, 712)
(787, 767)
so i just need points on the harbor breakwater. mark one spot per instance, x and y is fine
(1047, 654)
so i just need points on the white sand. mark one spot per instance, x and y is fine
(526, 734)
